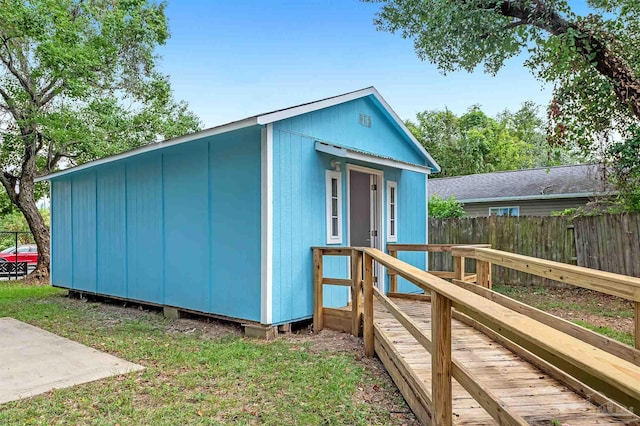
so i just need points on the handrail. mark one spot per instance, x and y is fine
(490, 402)
(457, 273)
(608, 370)
(604, 282)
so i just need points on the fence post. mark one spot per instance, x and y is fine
(458, 268)
(369, 348)
(483, 269)
(356, 292)
(636, 332)
(441, 359)
(393, 277)
(318, 318)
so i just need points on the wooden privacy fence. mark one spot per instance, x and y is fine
(580, 352)
(607, 242)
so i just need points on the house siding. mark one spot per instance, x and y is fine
(179, 227)
(527, 207)
(299, 200)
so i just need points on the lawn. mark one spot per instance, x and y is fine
(604, 314)
(200, 372)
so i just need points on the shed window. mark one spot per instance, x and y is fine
(392, 211)
(334, 207)
(504, 211)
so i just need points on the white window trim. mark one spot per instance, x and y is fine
(330, 175)
(505, 207)
(392, 238)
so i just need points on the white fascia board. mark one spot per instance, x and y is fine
(154, 146)
(353, 155)
(406, 130)
(314, 106)
(326, 103)
(535, 197)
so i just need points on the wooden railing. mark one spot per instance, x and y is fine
(617, 285)
(600, 369)
(483, 274)
(616, 377)
(354, 283)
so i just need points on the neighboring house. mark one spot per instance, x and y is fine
(533, 192)
(222, 221)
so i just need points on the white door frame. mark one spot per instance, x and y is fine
(379, 226)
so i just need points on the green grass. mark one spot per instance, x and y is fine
(609, 332)
(190, 378)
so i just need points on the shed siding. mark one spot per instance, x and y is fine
(61, 237)
(412, 223)
(300, 223)
(235, 225)
(111, 231)
(145, 242)
(186, 225)
(83, 215)
(179, 226)
(527, 207)
(339, 124)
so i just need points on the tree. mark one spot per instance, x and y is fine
(445, 209)
(593, 61)
(476, 143)
(78, 81)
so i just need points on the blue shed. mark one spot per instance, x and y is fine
(221, 221)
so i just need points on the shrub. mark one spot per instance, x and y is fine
(445, 209)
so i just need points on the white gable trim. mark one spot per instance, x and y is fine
(325, 103)
(344, 152)
(261, 119)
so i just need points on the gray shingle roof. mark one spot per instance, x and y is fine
(553, 182)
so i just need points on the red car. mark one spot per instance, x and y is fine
(26, 253)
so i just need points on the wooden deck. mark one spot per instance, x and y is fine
(522, 387)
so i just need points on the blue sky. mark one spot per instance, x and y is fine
(233, 59)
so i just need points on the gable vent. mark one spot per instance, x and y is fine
(364, 120)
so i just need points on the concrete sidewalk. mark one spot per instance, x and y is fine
(34, 361)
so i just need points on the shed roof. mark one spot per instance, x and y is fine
(583, 180)
(263, 119)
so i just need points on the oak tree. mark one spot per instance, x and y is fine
(78, 81)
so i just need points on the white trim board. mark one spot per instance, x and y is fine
(345, 152)
(266, 205)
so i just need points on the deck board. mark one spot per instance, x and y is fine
(534, 395)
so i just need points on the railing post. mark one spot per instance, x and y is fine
(636, 333)
(458, 268)
(356, 292)
(483, 269)
(318, 318)
(369, 348)
(393, 277)
(441, 359)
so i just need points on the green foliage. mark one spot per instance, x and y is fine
(589, 59)
(445, 209)
(624, 162)
(78, 81)
(15, 221)
(476, 143)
